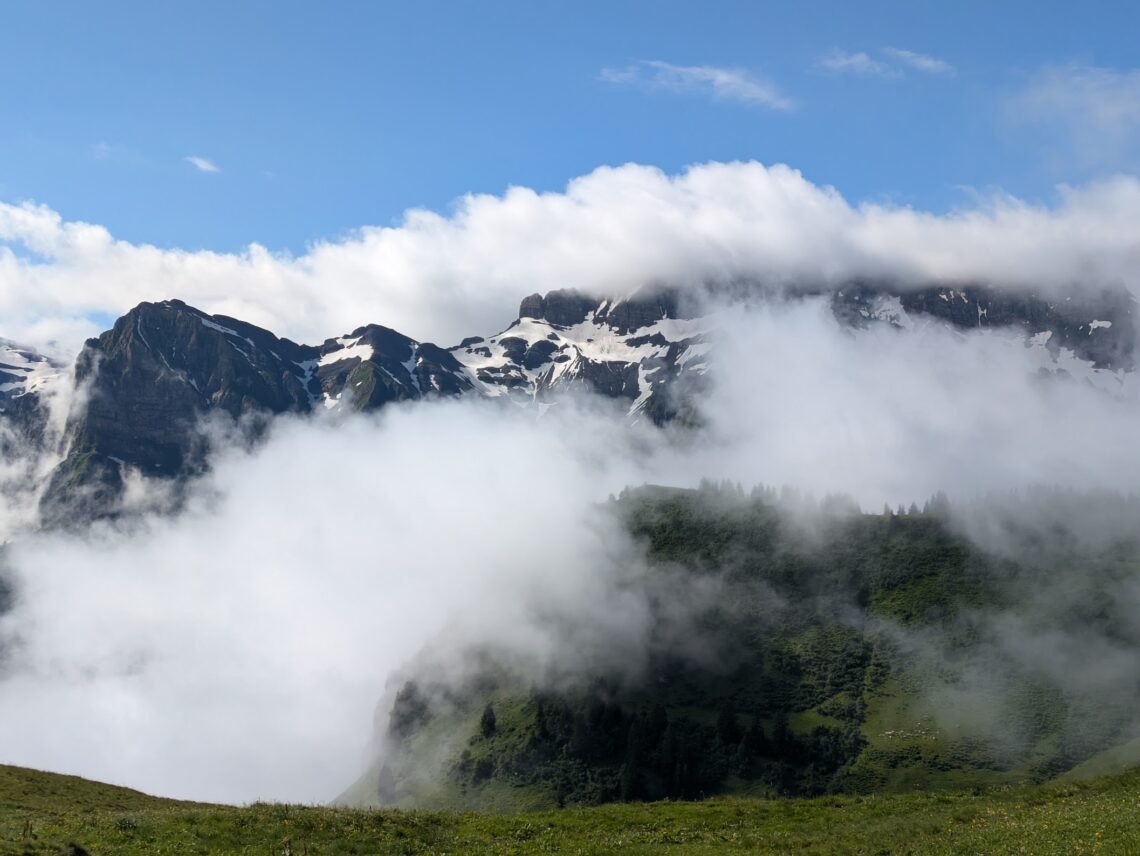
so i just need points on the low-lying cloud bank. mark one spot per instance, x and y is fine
(441, 278)
(237, 651)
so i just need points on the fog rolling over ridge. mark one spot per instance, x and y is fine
(237, 650)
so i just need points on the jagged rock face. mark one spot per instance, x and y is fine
(24, 374)
(562, 308)
(163, 367)
(23, 371)
(374, 365)
(149, 381)
(651, 354)
(1097, 328)
(152, 379)
(642, 351)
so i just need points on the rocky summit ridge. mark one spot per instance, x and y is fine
(164, 369)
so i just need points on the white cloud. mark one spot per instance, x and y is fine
(844, 62)
(727, 84)
(202, 164)
(1093, 112)
(237, 652)
(441, 278)
(921, 62)
(894, 416)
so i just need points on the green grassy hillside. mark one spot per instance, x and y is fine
(841, 653)
(35, 792)
(70, 815)
(1109, 762)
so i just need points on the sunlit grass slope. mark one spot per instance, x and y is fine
(70, 815)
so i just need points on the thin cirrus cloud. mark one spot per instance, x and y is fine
(859, 63)
(722, 84)
(1090, 114)
(892, 62)
(202, 164)
(921, 62)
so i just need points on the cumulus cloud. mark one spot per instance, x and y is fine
(202, 164)
(441, 278)
(1093, 112)
(726, 84)
(921, 62)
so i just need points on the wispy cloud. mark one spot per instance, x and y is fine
(921, 62)
(103, 150)
(1093, 112)
(891, 62)
(724, 84)
(202, 164)
(861, 63)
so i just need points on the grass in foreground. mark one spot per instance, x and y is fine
(1100, 817)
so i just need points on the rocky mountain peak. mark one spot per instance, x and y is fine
(1095, 326)
(165, 367)
(562, 308)
(567, 307)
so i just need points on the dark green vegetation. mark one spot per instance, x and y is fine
(68, 815)
(818, 651)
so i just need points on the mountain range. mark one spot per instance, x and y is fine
(146, 385)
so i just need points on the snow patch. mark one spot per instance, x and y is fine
(213, 325)
(692, 352)
(350, 349)
(410, 367)
(589, 341)
(644, 389)
(32, 371)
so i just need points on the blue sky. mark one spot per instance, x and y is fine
(312, 119)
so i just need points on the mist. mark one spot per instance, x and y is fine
(237, 650)
(894, 416)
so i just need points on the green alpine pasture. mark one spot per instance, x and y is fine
(43, 813)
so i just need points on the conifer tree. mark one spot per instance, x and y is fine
(487, 722)
(727, 728)
(632, 767)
